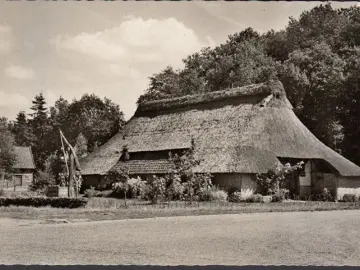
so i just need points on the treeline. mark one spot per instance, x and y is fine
(316, 57)
(87, 123)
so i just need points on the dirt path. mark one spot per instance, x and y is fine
(297, 238)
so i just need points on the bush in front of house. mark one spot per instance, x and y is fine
(231, 190)
(236, 197)
(241, 196)
(91, 192)
(132, 188)
(174, 187)
(154, 190)
(255, 198)
(246, 196)
(280, 195)
(43, 179)
(213, 194)
(324, 196)
(43, 202)
(350, 198)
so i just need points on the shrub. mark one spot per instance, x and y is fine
(350, 198)
(324, 196)
(2, 193)
(91, 192)
(255, 198)
(134, 186)
(219, 195)
(201, 181)
(212, 194)
(269, 182)
(206, 195)
(276, 198)
(131, 187)
(232, 190)
(44, 201)
(246, 196)
(114, 177)
(280, 195)
(235, 197)
(174, 188)
(154, 190)
(104, 193)
(43, 178)
(241, 196)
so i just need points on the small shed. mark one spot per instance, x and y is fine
(23, 169)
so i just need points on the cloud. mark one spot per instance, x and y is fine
(135, 39)
(120, 71)
(116, 62)
(6, 39)
(95, 45)
(19, 72)
(12, 100)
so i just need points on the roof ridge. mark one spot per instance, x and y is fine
(274, 87)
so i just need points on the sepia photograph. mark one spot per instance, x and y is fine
(171, 133)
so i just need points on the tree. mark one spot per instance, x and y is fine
(164, 84)
(183, 174)
(350, 104)
(22, 131)
(276, 45)
(7, 154)
(314, 80)
(320, 24)
(269, 183)
(98, 120)
(41, 129)
(119, 177)
(81, 145)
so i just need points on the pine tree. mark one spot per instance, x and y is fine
(22, 131)
(41, 129)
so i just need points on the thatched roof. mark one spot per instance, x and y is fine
(240, 130)
(24, 158)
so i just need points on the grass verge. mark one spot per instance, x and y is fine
(105, 209)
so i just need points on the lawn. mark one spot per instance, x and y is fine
(114, 209)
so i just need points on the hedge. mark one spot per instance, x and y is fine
(44, 201)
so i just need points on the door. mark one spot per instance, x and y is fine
(293, 185)
(17, 180)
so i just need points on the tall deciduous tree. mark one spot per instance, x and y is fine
(7, 155)
(98, 120)
(350, 104)
(164, 84)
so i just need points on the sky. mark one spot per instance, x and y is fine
(67, 48)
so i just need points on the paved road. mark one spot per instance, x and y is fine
(305, 238)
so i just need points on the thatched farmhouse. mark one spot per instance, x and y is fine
(23, 169)
(237, 133)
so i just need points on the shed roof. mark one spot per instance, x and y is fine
(24, 158)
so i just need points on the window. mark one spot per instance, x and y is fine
(302, 171)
